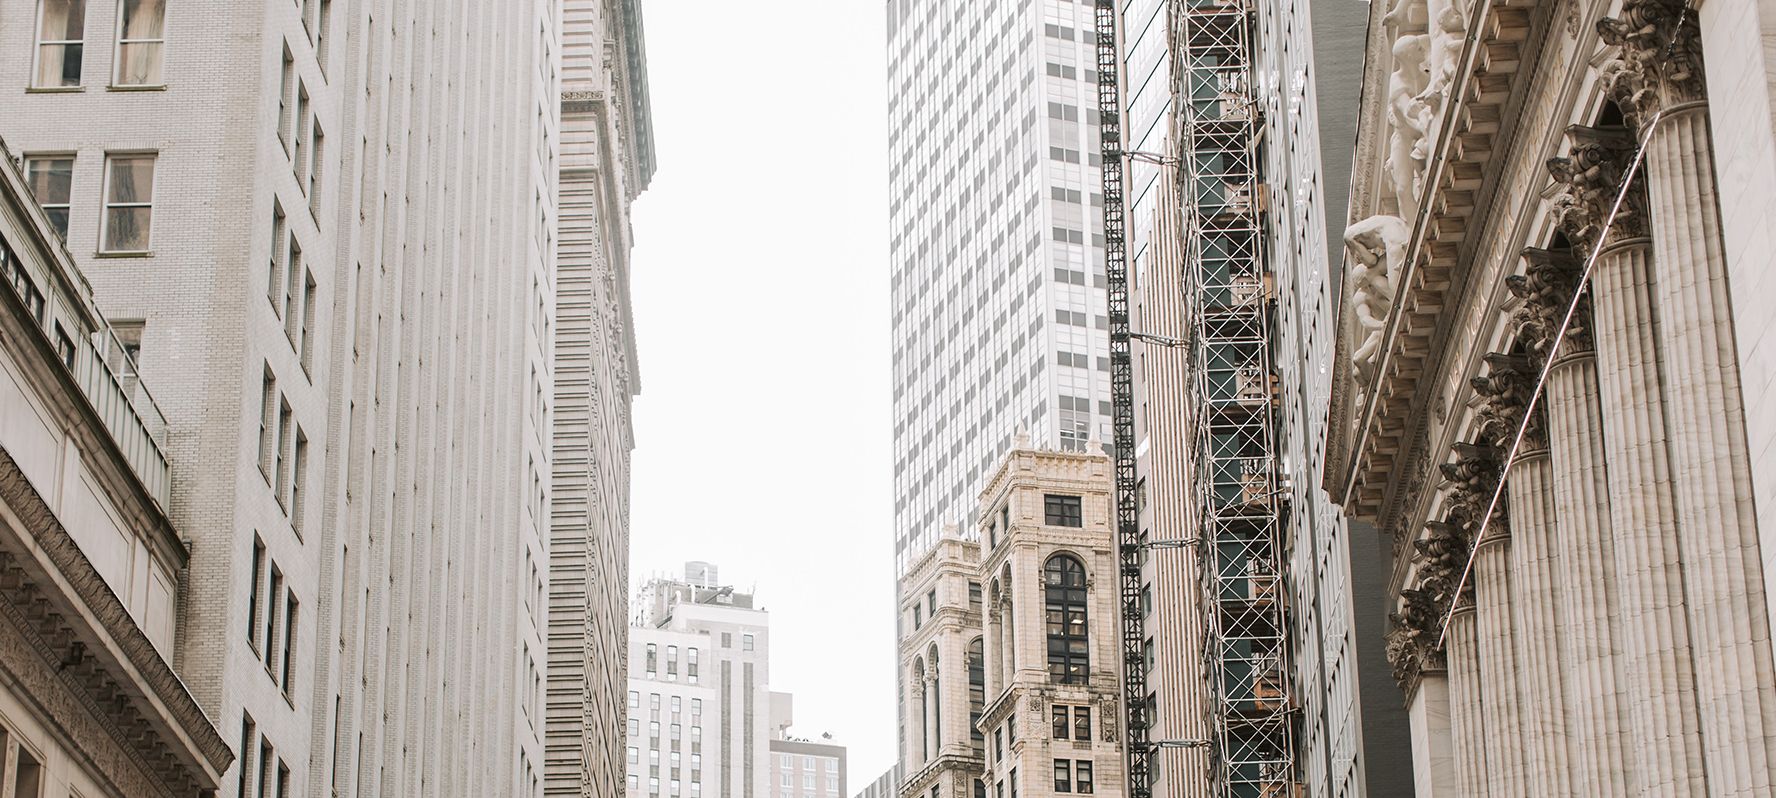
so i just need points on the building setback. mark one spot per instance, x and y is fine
(802, 768)
(606, 160)
(328, 230)
(1578, 537)
(91, 569)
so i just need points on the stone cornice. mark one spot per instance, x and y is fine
(157, 695)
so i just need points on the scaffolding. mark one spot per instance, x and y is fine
(1230, 301)
(1122, 399)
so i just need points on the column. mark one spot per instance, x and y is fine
(1596, 715)
(1465, 707)
(1535, 575)
(1433, 753)
(1660, 80)
(1661, 690)
(1502, 709)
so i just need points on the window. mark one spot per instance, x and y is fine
(305, 349)
(292, 293)
(248, 731)
(1064, 609)
(1061, 510)
(274, 285)
(918, 615)
(253, 605)
(141, 33)
(931, 603)
(691, 665)
(746, 642)
(267, 432)
(27, 776)
(61, 34)
(51, 178)
(1082, 724)
(286, 421)
(298, 479)
(285, 84)
(1059, 721)
(1063, 775)
(276, 588)
(974, 597)
(316, 151)
(298, 158)
(977, 692)
(323, 28)
(286, 655)
(653, 658)
(634, 699)
(129, 202)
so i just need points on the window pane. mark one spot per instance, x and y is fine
(52, 179)
(126, 229)
(139, 43)
(132, 179)
(61, 26)
(63, 20)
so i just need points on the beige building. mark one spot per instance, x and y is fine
(803, 768)
(607, 159)
(328, 230)
(92, 571)
(1013, 649)
(1579, 513)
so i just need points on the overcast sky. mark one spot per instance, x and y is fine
(761, 303)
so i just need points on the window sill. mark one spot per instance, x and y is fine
(55, 89)
(156, 87)
(146, 253)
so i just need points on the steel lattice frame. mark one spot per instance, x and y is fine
(1122, 398)
(1229, 302)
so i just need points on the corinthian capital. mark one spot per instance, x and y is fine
(1590, 178)
(1546, 288)
(1661, 60)
(1507, 387)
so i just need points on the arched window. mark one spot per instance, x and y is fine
(918, 676)
(936, 700)
(1063, 589)
(977, 690)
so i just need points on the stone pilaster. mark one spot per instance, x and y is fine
(1656, 653)
(1660, 75)
(1466, 707)
(1591, 634)
(1536, 616)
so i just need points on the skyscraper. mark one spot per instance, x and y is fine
(328, 230)
(607, 158)
(998, 310)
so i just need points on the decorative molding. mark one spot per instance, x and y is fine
(1661, 58)
(1588, 180)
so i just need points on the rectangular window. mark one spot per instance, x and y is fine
(141, 33)
(746, 642)
(264, 770)
(1058, 719)
(51, 178)
(274, 285)
(27, 777)
(129, 202)
(293, 294)
(285, 83)
(323, 28)
(61, 35)
(1063, 775)
(248, 731)
(298, 159)
(267, 432)
(1082, 776)
(286, 420)
(298, 479)
(1082, 724)
(1061, 510)
(287, 656)
(316, 151)
(275, 588)
(253, 601)
(305, 338)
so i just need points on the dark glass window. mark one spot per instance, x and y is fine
(1061, 510)
(977, 690)
(1064, 609)
(1063, 775)
(1082, 724)
(1082, 776)
(1059, 716)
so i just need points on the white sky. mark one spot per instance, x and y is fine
(761, 303)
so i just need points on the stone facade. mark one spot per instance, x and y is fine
(1540, 398)
(1014, 653)
(330, 227)
(606, 160)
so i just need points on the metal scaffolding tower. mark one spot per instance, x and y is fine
(1230, 299)
(1122, 398)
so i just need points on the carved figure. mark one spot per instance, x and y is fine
(1407, 118)
(1378, 251)
(1449, 28)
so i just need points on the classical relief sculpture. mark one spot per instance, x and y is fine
(1377, 247)
(1449, 26)
(1109, 709)
(1408, 118)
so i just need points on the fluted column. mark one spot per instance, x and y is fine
(1503, 707)
(1655, 631)
(1537, 624)
(1659, 78)
(1729, 622)
(1466, 721)
(1590, 638)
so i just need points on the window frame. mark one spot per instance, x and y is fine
(38, 43)
(1063, 510)
(118, 42)
(1066, 603)
(33, 159)
(106, 204)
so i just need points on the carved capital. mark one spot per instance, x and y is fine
(1546, 288)
(1661, 60)
(1507, 386)
(1475, 472)
(1589, 178)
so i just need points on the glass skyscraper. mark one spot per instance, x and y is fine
(998, 286)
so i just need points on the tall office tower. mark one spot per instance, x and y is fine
(996, 246)
(1552, 390)
(329, 228)
(91, 569)
(691, 633)
(607, 158)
